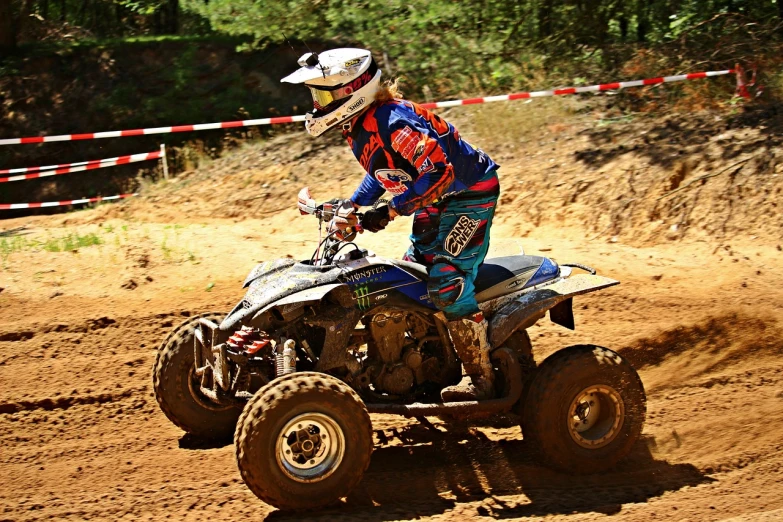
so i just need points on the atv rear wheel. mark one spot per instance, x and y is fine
(304, 441)
(176, 386)
(584, 409)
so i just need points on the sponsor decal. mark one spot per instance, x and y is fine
(426, 167)
(370, 148)
(522, 280)
(361, 294)
(460, 235)
(382, 296)
(404, 141)
(352, 107)
(419, 151)
(514, 284)
(355, 61)
(358, 83)
(393, 180)
(358, 276)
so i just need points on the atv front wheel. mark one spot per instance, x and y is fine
(177, 386)
(304, 441)
(584, 410)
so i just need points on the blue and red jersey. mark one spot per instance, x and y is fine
(414, 155)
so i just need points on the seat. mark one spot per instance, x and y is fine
(500, 275)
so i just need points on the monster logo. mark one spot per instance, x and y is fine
(361, 294)
(460, 235)
(364, 274)
(393, 180)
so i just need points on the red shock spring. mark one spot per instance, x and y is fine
(241, 337)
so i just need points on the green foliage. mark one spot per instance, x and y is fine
(479, 46)
(450, 47)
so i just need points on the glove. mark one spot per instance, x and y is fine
(376, 219)
(334, 207)
(338, 201)
(342, 218)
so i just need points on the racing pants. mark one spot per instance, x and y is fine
(451, 238)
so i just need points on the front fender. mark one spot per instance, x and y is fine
(289, 306)
(524, 311)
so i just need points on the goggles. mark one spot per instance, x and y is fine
(324, 97)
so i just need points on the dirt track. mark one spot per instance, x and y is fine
(82, 436)
(698, 313)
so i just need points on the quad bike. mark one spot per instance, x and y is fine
(315, 346)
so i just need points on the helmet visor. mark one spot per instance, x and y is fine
(322, 99)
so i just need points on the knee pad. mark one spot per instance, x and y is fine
(445, 284)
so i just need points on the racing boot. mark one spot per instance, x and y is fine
(469, 336)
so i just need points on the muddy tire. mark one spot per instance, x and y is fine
(519, 343)
(584, 410)
(176, 386)
(303, 441)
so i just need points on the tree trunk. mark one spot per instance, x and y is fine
(642, 21)
(8, 26)
(158, 23)
(173, 17)
(623, 28)
(83, 13)
(780, 9)
(45, 9)
(545, 19)
(62, 10)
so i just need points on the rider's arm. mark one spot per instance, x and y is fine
(424, 152)
(368, 192)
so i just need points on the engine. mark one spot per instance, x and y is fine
(397, 352)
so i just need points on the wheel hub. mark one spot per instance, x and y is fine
(595, 416)
(310, 447)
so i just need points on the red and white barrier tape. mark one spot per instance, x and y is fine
(43, 172)
(292, 119)
(15, 206)
(577, 90)
(156, 130)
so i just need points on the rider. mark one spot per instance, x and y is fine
(449, 187)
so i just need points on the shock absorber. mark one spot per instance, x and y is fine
(241, 337)
(249, 339)
(285, 359)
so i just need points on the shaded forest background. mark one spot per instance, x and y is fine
(447, 46)
(71, 66)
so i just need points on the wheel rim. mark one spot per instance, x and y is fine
(310, 447)
(595, 416)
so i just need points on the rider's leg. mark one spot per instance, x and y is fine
(463, 241)
(424, 236)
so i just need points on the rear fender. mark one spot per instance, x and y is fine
(524, 311)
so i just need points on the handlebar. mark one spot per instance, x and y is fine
(342, 226)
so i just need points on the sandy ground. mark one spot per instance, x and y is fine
(683, 211)
(82, 436)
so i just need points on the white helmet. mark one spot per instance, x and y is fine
(343, 83)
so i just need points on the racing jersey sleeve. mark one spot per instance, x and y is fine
(368, 192)
(412, 140)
